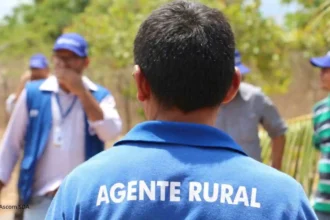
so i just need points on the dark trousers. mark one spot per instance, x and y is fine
(19, 213)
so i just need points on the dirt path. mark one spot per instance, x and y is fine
(9, 193)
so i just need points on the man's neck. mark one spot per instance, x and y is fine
(205, 116)
(64, 88)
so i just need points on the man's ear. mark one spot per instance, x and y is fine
(234, 87)
(86, 62)
(143, 88)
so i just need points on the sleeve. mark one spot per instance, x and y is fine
(65, 204)
(316, 139)
(58, 208)
(13, 138)
(270, 117)
(111, 126)
(305, 211)
(10, 104)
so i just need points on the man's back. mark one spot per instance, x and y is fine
(166, 170)
(178, 166)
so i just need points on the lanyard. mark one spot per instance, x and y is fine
(65, 114)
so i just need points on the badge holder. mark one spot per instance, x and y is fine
(58, 139)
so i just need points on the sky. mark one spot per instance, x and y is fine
(273, 8)
(270, 8)
(8, 5)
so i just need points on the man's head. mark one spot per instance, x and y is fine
(38, 67)
(184, 55)
(71, 51)
(324, 64)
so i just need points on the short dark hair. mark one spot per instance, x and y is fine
(186, 52)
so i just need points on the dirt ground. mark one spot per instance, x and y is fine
(9, 193)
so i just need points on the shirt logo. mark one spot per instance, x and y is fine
(68, 41)
(237, 60)
(36, 63)
(34, 113)
(175, 191)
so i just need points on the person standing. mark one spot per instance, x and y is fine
(321, 139)
(241, 118)
(59, 122)
(38, 69)
(177, 165)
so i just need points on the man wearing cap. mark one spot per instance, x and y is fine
(177, 165)
(59, 122)
(241, 117)
(38, 69)
(321, 139)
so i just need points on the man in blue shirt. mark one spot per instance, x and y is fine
(58, 123)
(176, 165)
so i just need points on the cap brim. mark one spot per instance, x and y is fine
(243, 69)
(37, 67)
(72, 49)
(321, 62)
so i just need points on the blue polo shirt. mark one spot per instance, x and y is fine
(169, 170)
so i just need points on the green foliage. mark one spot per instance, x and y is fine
(310, 27)
(111, 33)
(110, 27)
(304, 3)
(263, 45)
(300, 157)
(34, 27)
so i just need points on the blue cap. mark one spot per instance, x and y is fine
(322, 62)
(72, 42)
(238, 63)
(38, 61)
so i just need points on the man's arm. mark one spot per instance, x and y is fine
(110, 126)
(278, 144)
(276, 128)
(13, 138)
(103, 118)
(316, 139)
(24, 79)
(90, 105)
(10, 103)
(305, 211)
(73, 82)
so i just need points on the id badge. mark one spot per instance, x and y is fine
(58, 137)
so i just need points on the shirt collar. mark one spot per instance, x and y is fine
(51, 84)
(243, 91)
(178, 133)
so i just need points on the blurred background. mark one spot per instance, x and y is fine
(275, 37)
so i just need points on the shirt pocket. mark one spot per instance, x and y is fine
(248, 128)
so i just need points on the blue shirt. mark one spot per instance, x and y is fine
(169, 170)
